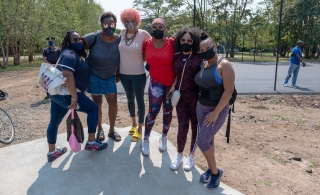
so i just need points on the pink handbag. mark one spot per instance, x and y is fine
(73, 142)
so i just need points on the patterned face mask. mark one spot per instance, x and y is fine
(131, 25)
(109, 30)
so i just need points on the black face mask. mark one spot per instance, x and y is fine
(158, 34)
(185, 47)
(207, 55)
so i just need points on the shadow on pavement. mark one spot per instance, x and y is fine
(119, 169)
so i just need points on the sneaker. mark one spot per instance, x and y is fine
(96, 146)
(189, 163)
(294, 85)
(285, 84)
(206, 176)
(176, 162)
(215, 181)
(145, 147)
(162, 143)
(58, 152)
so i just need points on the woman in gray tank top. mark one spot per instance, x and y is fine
(214, 75)
(103, 61)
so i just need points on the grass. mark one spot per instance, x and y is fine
(275, 102)
(267, 183)
(271, 157)
(301, 121)
(24, 65)
(276, 115)
(314, 164)
(266, 57)
(260, 107)
(318, 124)
(286, 118)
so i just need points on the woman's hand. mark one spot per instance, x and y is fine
(211, 118)
(74, 103)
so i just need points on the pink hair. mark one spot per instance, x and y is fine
(130, 13)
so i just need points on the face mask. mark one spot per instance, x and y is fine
(158, 34)
(77, 46)
(130, 25)
(185, 47)
(207, 55)
(51, 43)
(109, 31)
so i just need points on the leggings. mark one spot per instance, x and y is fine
(186, 111)
(59, 108)
(134, 86)
(157, 97)
(206, 134)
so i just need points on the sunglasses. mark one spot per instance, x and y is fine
(189, 41)
(76, 40)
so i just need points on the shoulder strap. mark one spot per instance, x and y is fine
(183, 70)
(228, 126)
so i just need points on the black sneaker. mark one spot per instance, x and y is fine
(96, 146)
(206, 176)
(59, 152)
(215, 181)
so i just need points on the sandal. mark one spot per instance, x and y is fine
(132, 130)
(136, 137)
(115, 136)
(100, 135)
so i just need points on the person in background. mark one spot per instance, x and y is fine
(187, 43)
(294, 65)
(76, 72)
(216, 84)
(103, 61)
(132, 73)
(159, 52)
(51, 54)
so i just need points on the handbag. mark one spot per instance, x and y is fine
(73, 142)
(50, 78)
(176, 95)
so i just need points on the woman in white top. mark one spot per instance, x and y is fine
(132, 73)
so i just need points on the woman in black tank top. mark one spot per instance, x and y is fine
(212, 117)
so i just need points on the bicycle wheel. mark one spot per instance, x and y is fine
(6, 128)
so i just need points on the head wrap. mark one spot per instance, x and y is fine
(159, 21)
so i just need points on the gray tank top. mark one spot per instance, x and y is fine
(208, 78)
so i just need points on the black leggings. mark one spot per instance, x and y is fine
(134, 86)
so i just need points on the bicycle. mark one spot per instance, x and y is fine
(6, 126)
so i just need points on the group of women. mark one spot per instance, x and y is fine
(186, 62)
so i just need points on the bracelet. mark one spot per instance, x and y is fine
(74, 99)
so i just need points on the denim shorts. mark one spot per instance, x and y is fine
(98, 86)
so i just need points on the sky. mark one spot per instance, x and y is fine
(116, 7)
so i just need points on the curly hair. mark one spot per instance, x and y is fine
(203, 35)
(195, 36)
(108, 15)
(66, 44)
(131, 13)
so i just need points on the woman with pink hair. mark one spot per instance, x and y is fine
(132, 73)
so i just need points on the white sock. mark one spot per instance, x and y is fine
(52, 151)
(90, 142)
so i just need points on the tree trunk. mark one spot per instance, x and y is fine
(31, 57)
(16, 59)
(306, 53)
(233, 45)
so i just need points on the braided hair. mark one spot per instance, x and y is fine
(66, 44)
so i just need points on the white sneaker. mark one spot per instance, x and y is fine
(162, 143)
(285, 85)
(189, 163)
(176, 162)
(145, 147)
(294, 85)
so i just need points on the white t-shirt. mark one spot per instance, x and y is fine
(131, 59)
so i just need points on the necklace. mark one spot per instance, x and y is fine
(129, 40)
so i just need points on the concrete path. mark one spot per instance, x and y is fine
(258, 77)
(119, 169)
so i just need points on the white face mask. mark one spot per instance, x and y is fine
(131, 25)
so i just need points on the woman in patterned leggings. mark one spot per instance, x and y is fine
(187, 42)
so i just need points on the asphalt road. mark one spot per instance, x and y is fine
(258, 78)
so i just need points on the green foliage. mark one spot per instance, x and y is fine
(24, 25)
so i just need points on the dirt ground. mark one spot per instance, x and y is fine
(274, 146)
